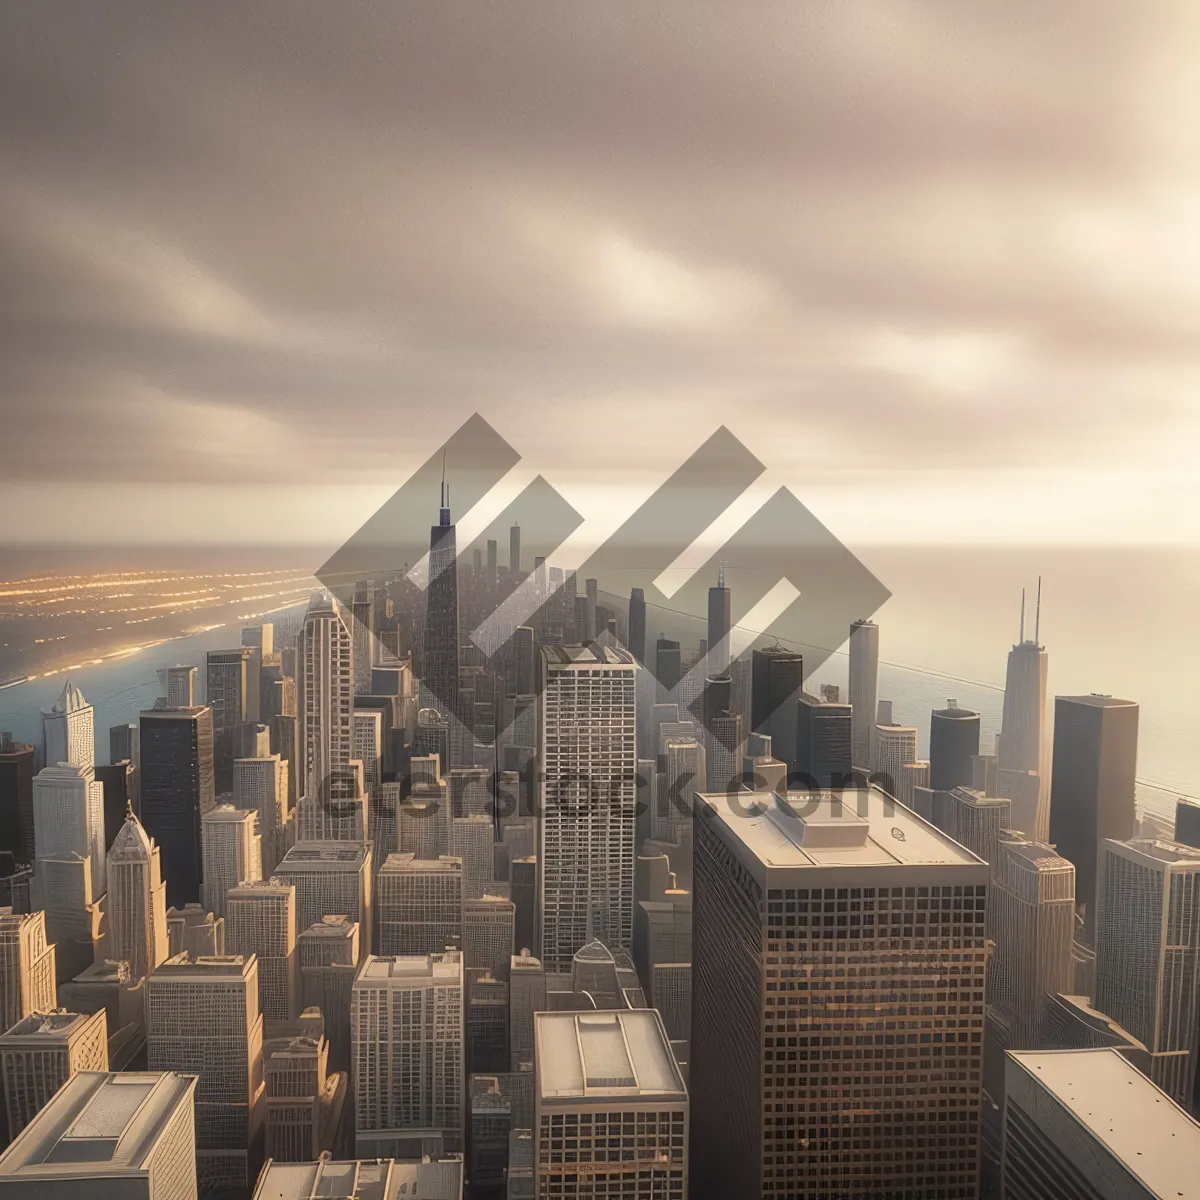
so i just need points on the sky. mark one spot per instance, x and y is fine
(936, 263)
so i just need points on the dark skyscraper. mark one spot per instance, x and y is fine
(777, 675)
(177, 790)
(514, 551)
(491, 561)
(226, 676)
(668, 667)
(953, 741)
(441, 614)
(637, 624)
(1187, 822)
(719, 626)
(822, 741)
(16, 798)
(123, 744)
(1091, 789)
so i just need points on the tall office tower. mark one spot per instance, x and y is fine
(1022, 746)
(253, 740)
(285, 741)
(637, 624)
(1033, 899)
(588, 792)
(419, 905)
(118, 789)
(1091, 793)
(884, 713)
(472, 840)
(1187, 822)
(325, 695)
(592, 595)
(1086, 1123)
(720, 625)
(331, 878)
(178, 686)
(1148, 954)
(867, 914)
(305, 1102)
(610, 1107)
(686, 773)
(668, 668)
(40, 1053)
(491, 565)
(368, 746)
(973, 820)
(137, 900)
(523, 876)
(514, 552)
(260, 785)
(662, 933)
(260, 920)
(129, 1135)
(896, 749)
(362, 632)
(385, 1179)
(725, 749)
(485, 1023)
(440, 645)
(864, 690)
(761, 770)
(124, 743)
(68, 730)
(16, 798)
(232, 849)
(776, 680)
(487, 942)
(470, 793)
(329, 955)
(953, 742)
(260, 641)
(405, 1011)
(177, 790)
(823, 742)
(421, 823)
(202, 1018)
(345, 820)
(522, 653)
(527, 995)
(27, 968)
(194, 931)
(226, 675)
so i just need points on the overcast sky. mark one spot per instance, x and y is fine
(937, 264)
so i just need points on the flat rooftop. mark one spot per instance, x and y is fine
(1142, 1127)
(1098, 701)
(594, 654)
(323, 855)
(848, 831)
(414, 968)
(604, 1055)
(97, 1124)
(53, 1026)
(368, 1179)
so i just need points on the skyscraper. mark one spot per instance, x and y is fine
(1148, 953)
(719, 626)
(202, 1018)
(439, 671)
(864, 690)
(68, 730)
(588, 755)
(260, 920)
(777, 677)
(368, 746)
(226, 675)
(261, 785)
(137, 900)
(953, 742)
(514, 551)
(325, 695)
(331, 878)
(1022, 747)
(637, 624)
(895, 760)
(27, 966)
(407, 1011)
(232, 850)
(176, 790)
(821, 932)
(824, 740)
(16, 798)
(178, 685)
(419, 905)
(329, 954)
(1091, 794)
(610, 1107)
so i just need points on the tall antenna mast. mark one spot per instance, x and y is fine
(1022, 615)
(443, 478)
(721, 574)
(1037, 620)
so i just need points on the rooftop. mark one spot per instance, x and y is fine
(227, 813)
(604, 1055)
(331, 926)
(57, 1026)
(328, 854)
(378, 1179)
(1157, 852)
(435, 968)
(1137, 1123)
(594, 654)
(1095, 700)
(819, 829)
(97, 1124)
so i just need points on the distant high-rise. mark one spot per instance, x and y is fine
(130, 1135)
(362, 631)
(405, 1011)
(514, 550)
(1091, 794)
(260, 920)
(778, 676)
(27, 966)
(69, 731)
(668, 667)
(232, 850)
(39, 1054)
(325, 695)
(719, 626)
(896, 761)
(637, 624)
(588, 761)
(1187, 822)
(439, 673)
(261, 784)
(864, 690)
(368, 746)
(1148, 953)
(804, 915)
(1085, 1123)
(178, 686)
(598, 1074)
(419, 905)
(202, 1018)
(1022, 746)
(226, 676)
(953, 742)
(137, 900)
(824, 742)
(176, 790)
(16, 798)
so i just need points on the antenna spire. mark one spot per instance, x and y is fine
(721, 574)
(1037, 620)
(1022, 615)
